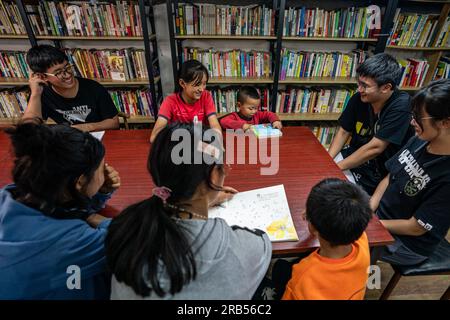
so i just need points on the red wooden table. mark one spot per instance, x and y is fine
(303, 162)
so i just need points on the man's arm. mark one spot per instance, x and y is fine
(406, 227)
(338, 142)
(34, 107)
(365, 153)
(107, 124)
(160, 124)
(378, 194)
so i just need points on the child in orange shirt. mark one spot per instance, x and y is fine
(338, 212)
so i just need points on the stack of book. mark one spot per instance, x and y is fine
(312, 100)
(324, 134)
(10, 21)
(414, 30)
(320, 64)
(96, 64)
(13, 64)
(341, 23)
(443, 39)
(133, 102)
(443, 69)
(121, 19)
(210, 19)
(234, 63)
(414, 72)
(13, 103)
(225, 99)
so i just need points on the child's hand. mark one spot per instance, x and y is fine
(246, 126)
(36, 84)
(277, 125)
(225, 195)
(112, 180)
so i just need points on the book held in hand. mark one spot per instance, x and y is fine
(262, 131)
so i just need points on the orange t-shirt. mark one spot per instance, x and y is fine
(321, 278)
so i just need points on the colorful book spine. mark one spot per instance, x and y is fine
(225, 99)
(324, 134)
(133, 102)
(13, 103)
(13, 65)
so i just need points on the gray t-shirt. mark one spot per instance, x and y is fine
(231, 262)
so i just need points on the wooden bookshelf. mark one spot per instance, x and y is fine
(224, 37)
(319, 80)
(309, 116)
(94, 38)
(234, 80)
(13, 82)
(419, 48)
(138, 119)
(290, 38)
(409, 89)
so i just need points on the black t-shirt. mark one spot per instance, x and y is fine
(419, 186)
(392, 124)
(91, 104)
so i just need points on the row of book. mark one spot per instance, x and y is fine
(210, 19)
(60, 18)
(225, 99)
(99, 64)
(10, 20)
(414, 72)
(133, 102)
(13, 64)
(325, 134)
(341, 23)
(312, 100)
(418, 30)
(13, 103)
(320, 64)
(234, 63)
(443, 69)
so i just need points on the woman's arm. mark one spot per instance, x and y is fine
(404, 227)
(160, 124)
(378, 194)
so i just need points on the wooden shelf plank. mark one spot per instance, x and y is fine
(418, 48)
(303, 116)
(234, 80)
(319, 80)
(13, 36)
(225, 37)
(289, 38)
(138, 119)
(410, 88)
(105, 82)
(93, 38)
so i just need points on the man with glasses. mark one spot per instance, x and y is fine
(377, 118)
(57, 94)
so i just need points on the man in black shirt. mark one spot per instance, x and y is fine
(377, 118)
(57, 94)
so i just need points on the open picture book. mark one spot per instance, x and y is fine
(266, 209)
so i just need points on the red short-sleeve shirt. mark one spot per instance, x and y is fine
(174, 109)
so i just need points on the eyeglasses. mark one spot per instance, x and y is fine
(364, 86)
(68, 70)
(416, 117)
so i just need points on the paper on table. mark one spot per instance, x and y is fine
(98, 134)
(266, 209)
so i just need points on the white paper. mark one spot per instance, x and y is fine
(266, 209)
(98, 134)
(348, 174)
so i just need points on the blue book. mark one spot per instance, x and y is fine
(262, 131)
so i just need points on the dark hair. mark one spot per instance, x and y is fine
(339, 210)
(382, 68)
(435, 99)
(247, 91)
(145, 234)
(42, 57)
(49, 161)
(192, 71)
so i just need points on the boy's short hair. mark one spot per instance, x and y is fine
(338, 210)
(382, 68)
(42, 57)
(247, 91)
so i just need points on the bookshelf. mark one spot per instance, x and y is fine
(133, 27)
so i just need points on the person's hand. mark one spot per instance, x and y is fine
(36, 84)
(95, 219)
(86, 127)
(224, 195)
(277, 125)
(246, 126)
(112, 180)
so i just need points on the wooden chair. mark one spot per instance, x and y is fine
(124, 117)
(437, 264)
